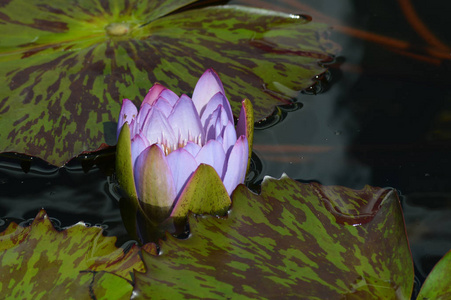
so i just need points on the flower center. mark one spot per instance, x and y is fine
(117, 29)
(168, 148)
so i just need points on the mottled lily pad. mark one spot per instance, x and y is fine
(294, 240)
(38, 261)
(66, 65)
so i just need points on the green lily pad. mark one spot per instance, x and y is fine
(438, 283)
(66, 65)
(294, 240)
(38, 261)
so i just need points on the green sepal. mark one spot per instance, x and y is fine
(155, 183)
(249, 114)
(204, 193)
(129, 205)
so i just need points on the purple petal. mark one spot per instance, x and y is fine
(229, 138)
(142, 115)
(208, 85)
(215, 124)
(138, 144)
(185, 121)
(133, 128)
(212, 154)
(163, 105)
(221, 124)
(236, 165)
(192, 148)
(182, 165)
(153, 94)
(170, 96)
(219, 139)
(153, 178)
(157, 129)
(215, 101)
(127, 114)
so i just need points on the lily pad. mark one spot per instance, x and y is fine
(66, 65)
(438, 283)
(39, 261)
(294, 240)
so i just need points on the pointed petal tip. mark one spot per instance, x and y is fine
(128, 109)
(185, 120)
(153, 94)
(127, 114)
(206, 87)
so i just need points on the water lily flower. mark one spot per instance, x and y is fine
(176, 152)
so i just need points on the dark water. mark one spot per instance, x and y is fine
(383, 118)
(83, 190)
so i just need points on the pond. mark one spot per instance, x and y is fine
(379, 116)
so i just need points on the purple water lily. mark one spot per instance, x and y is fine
(171, 137)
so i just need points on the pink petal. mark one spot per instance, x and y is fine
(127, 114)
(157, 129)
(153, 178)
(192, 148)
(208, 85)
(182, 165)
(153, 94)
(215, 101)
(235, 172)
(212, 154)
(185, 121)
